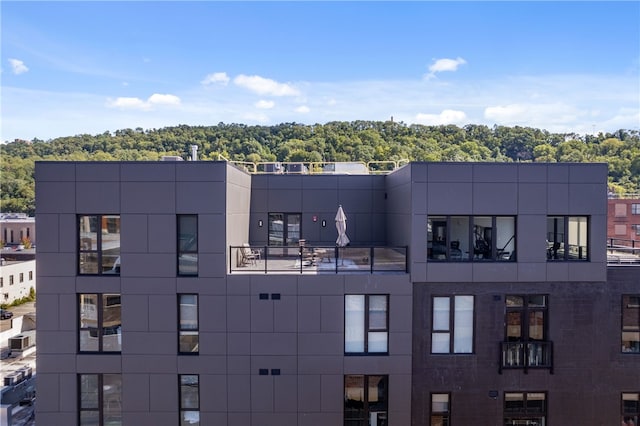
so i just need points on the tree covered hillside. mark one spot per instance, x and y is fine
(334, 141)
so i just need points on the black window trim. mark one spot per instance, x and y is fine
(197, 329)
(99, 320)
(98, 250)
(366, 326)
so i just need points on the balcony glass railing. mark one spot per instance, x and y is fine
(317, 259)
(525, 355)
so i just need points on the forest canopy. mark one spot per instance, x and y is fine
(333, 141)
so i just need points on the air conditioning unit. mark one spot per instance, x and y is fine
(26, 372)
(12, 379)
(19, 342)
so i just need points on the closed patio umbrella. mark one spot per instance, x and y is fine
(341, 226)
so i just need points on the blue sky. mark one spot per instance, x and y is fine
(88, 67)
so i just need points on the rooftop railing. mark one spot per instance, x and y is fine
(621, 251)
(317, 259)
(318, 167)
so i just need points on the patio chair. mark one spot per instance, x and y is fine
(249, 256)
(307, 254)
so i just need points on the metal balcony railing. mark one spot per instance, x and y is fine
(526, 355)
(317, 259)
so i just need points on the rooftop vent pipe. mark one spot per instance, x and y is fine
(194, 152)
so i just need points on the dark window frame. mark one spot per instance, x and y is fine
(99, 250)
(190, 249)
(445, 415)
(635, 208)
(527, 411)
(103, 302)
(475, 252)
(366, 404)
(451, 330)
(630, 311)
(182, 330)
(287, 240)
(625, 413)
(101, 399)
(525, 351)
(367, 325)
(558, 242)
(182, 409)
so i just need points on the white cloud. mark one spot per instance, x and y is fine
(160, 99)
(138, 104)
(220, 78)
(505, 113)
(17, 66)
(262, 104)
(127, 103)
(447, 116)
(303, 109)
(445, 64)
(265, 86)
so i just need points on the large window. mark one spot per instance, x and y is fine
(630, 408)
(567, 238)
(188, 339)
(526, 343)
(100, 323)
(366, 323)
(189, 399)
(284, 229)
(98, 244)
(188, 244)
(452, 325)
(440, 409)
(477, 238)
(631, 323)
(525, 408)
(100, 399)
(366, 400)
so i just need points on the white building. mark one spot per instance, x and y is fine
(16, 279)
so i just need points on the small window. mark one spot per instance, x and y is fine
(631, 324)
(636, 229)
(620, 210)
(188, 339)
(10, 279)
(99, 245)
(188, 244)
(1, 282)
(452, 325)
(100, 399)
(21, 277)
(630, 408)
(440, 409)
(525, 408)
(30, 275)
(366, 400)
(635, 208)
(366, 320)
(567, 238)
(100, 323)
(189, 399)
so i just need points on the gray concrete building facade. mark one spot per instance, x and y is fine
(183, 293)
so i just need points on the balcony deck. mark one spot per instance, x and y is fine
(317, 260)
